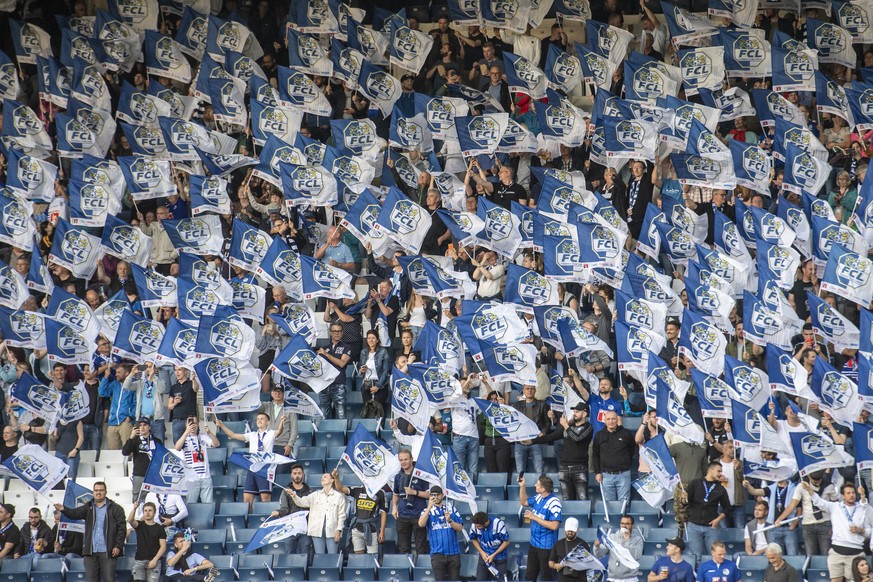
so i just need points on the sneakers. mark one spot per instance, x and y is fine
(212, 575)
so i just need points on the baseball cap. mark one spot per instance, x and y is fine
(572, 524)
(581, 406)
(678, 542)
(436, 489)
(407, 76)
(143, 420)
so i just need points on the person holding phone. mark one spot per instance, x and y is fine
(443, 522)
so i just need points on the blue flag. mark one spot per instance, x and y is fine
(178, 344)
(298, 362)
(225, 334)
(831, 324)
(657, 456)
(712, 395)
(371, 459)
(39, 469)
(224, 379)
(22, 329)
(849, 275)
(167, 473)
(815, 452)
(75, 495)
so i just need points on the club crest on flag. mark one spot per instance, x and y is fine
(828, 38)
(31, 468)
(379, 84)
(567, 254)
(359, 136)
(70, 342)
(705, 340)
(696, 67)
(227, 336)
(565, 69)
(15, 217)
(604, 243)
(629, 133)
(702, 168)
(409, 133)
(504, 10)
(78, 135)
(498, 224)
(405, 217)
(76, 246)
(489, 326)
(816, 446)
(25, 323)
(837, 389)
(533, 288)
(29, 173)
(510, 357)
(408, 394)
(597, 66)
(853, 271)
(158, 285)
(185, 341)
(746, 383)
(852, 17)
(647, 82)
(484, 131)
(798, 66)
(369, 458)
(307, 363)
(447, 345)
(222, 372)
(406, 44)
(194, 231)
(145, 337)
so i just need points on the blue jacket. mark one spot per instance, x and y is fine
(123, 403)
(383, 367)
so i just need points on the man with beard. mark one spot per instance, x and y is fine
(564, 547)
(298, 543)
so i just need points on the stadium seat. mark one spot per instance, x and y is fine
(654, 548)
(507, 510)
(423, 570)
(644, 514)
(200, 515)
(224, 487)
(15, 570)
(360, 567)
(519, 540)
(124, 569)
(661, 534)
(632, 423)
(106, 470)
(491, 492)
(395, 566)
(209, 541)
(304, 432)
(218, 454)
(330, 437)
(468, 566)
(799, 562)
(581, 510)
(492, 480)
(254, 567)
(646, 562)
(75, 569)
(325, 568)
(371, 424)
(234, 513)
(290, 566)
(243, 537)
(225, 566)
(733, 540)
(46, 570)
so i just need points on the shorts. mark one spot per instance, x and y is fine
(140, 571)
(359, 542)
(255, 484)
(840, 566)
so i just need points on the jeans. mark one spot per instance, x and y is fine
(73, 462)
(299, 544)
(333, 397)
(525, 452)
(498, 455)
(93, 438)
(323, 545)
(483, 573)
(159, 431)
(179, 428)
(200, 491)
(785, 537)
(701, 537)
(736, 518)
(616, 487)
(817, 538)
(100, 564)
(467, 450)
(407, 531)
(446, 567)
(574, 482)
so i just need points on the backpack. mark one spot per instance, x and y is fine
(372, 409)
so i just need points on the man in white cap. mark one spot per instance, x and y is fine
(563, 547)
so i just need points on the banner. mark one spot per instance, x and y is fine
(371, 459)
(651, 492)
(137, 338)
(39, 469)
(126, 242)
(702, 68)
(22, 329)
(248, 246)
(178, 344)
(298, 362)
(833, 42)
(793, 70)
(278, 529)
(305, 54)
(167, 473)
(440, 347)
(379, 86)
(713, 395)
(409, 48)
(480, 134)
(30, 177)
(404, 221)
(66, 308)
(154, 288)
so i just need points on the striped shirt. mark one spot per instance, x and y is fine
(491, 537)
(196, 457)
(443, 539)
(547, 508)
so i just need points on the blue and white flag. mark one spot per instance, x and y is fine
(648, 80)
(200, 235)
(227, 97)
(230, 35)
(702, 68)
(463, 225)
(155, 290)
(30, 177)
(225, 334)
(346, 62)
(432, 460)
(250, 300)
(353, 171)
(678, 244)
(167, 473)
(299, 319)
(712, 297)
(703, 343)
(17, 228)
(139, 108)
(440, 347)
(22, 124)
(833, 42)
(223, 379)
(409, 48)
(651, 492)
(75, 495)
(458, 484)
(208, 194)
(298, 362)
(866, 332)
(849, 275)
(181, 138)
(838, 395)
(707, 172)
(262, 464)
(409, 399)
(563, 70)
(109, 314)
(404, 221)
(815, 452)
(178, 343)
(657, 373)
(762, 325)
(54, 81)
(410, 133)
(480, 134)
(275, 530)
(299, 402)
(40, 400)
(749, 385)
(751, 165)
(13, 288)
(804, 172)
(777, 261)
(771, 105)
(323, 280)
(90, 204)
(267, 120)
(139, 14)
(863, 443)
(608, 41)
(597, 70)
(525, 77)
(38, 276)
(831, 97)
(74, 249)
(29, 41)
(826, 233)
(371, 459)
(500, 233)
(39, 469)
(296, 90)
(747, 52)
(311, 18)
(274, 154)
(65, 345)
(728, 238)
(713, 395)
(75, 138)
(146, 141)
(787, 374)
(831, 324)
(657, 456)
(371, 44)
(88, 85)
(633, 346)
(22, 329)
(126, 242)
(630, 138)
(509, 422)
(793, 70)
(192, 32)
(513, 363)
(66, 308)
(305, 54)
(673, 417)
(137, 338)
(747, 424)
(380, 87)
(528, 289)
(281, 266)
(164, 57)
(576, 339)
(684, 26)
(514, 16)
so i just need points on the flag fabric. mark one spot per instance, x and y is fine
(616, 550)
(200, 235)
(409, 399)
(126, 242)
(301, 403)
(261, 464)
(409, 48)
(223, 379)
(849, 275)
(29, 41)
(109, 314)
(749, 385)
(248, 246)
(651, 492)
(281, 266)
(713, 394)
(371, 459)
(432, 460)
(440, 347)
(66, 308)
(323, 280)
(278, 529)
(833, 42)
(703, 343)
(528, 289)
(37, 468)
(379, 86)
(137, 338)
(660, 461)
(225, 334)
(298, 319)
(831, 324)
(480, 134)
(522, 76)
(298, 362)
(178, 344)
(38, 399)
(403, 220)
(863, 445)
(75, 495)
(154, 289)
(22, 329)
(167, 473)
(30, 177)
(837, 393)
(509, 422)
(13, 288)
(147, 178)
(815, 452)
(74, 249)
(787, 374)
(673, 417)
(164, 56)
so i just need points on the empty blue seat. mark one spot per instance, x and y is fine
(371, 424)
(225, 567)
(46, 569)
(325, 567)
(290, 566)
(423, 569)
(491, 492)
(360, 567)
(662, 534)
(491, 480)
(304, 431)
(646, 562)
(124, 569)
(254, 567)
(200, 515)
(468, 566)
(395, 566)
(76, 570)
(581, 510)
(234, 513)
(243, 537)
(209, 541)
(507, 510)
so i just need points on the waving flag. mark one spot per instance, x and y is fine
(22, 124)
(65, 345)
(39, 470)
(278, 529)
(596, 69)
(657, 456)
(672, 415)
(227, 97)
(626, 138)
(200, 235)
(75, 249)
(13, 288)
(480, 134)
(404, 221)
(209, 194)
(528, 289)
(651, 492)
(74, 496)
(298, 362)
(833, 42)
(838, 394)
(409, 399)
(647, 80)
(22, 329)
(306, 55)
(509, 363)
(771, 105)
(702, 68)
(831, 324)
(323, 280)
(281, 266)
(713, 395)
(863, 445)
(88, 85)
(576, 339)
(749, 385)
(300, 403)
(30, 177)
(167, 473)
(793, 70)
(29, 41)
(137, 338)
(66, 308)
(509, 422)
(563, 70)
(815, 452)
(432, 461)
(139, 108)
(633, 345)
(522, 76)
(787, 374)
(500, 232)
(250, 300)
(177, 345)
(804, 172)
(16, 226)
(267, 120)
(224, 379)
(379, 86)
(410, 133)
(440, 347)
(38, 399)
(353, 171)
(90, 204)
(409, 48)
(751, 165)
(154, 289)
(371, 459)
(225, 335)
(500, 15)
(703, 343)
(848, 275)
(298, 90)
(38, 278)
(163, 56)
(608, 41)
(109, 314)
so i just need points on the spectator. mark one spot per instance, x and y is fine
(816, 522)
(465, 432)
(612, 454)
(375, 368)
(150, 389)
(141, 445)
(703, 499)
(104, 533)
(298, 543)
(151, 543)
(334, 252)
(564, 546)
(479, 74)
(779, 497)
(573, 468)
(65, 543)
(638, 195)
(259, 441)
(599, 403)
(327, 515)
(861, 570)
(718, 569)
(184, 565)
(537, 411)
(122, 406)
(850, 528)
(383, 304)
(68, 438)
(443, 523)
(498, 451)
(490, 538)
(92, 423)
(35, 529)
(275, 411)
(170, 509)
(407, 503)
(332, 399)
(672, 566)
(182, 401)
(778, 570)
(368, 519)
(544, 515)
(10, 535)
(758, 542)
(491, 277)
(193, 445)
(163, 252)
(732, 479)
(631, 540)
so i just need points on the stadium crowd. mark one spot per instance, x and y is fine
(660, 462)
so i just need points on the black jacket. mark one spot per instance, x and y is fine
(538, 413)
(42, 531)
(114, 525)
(71, 542)
(141, 459)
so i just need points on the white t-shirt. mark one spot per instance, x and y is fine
(261, 442)
(760, 541)
(727, 471)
